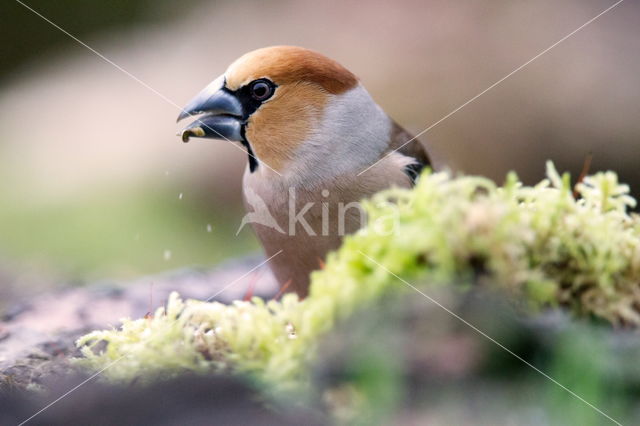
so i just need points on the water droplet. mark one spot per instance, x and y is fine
(209, 227)
(166, 173)
(180, 196)
(167, 255)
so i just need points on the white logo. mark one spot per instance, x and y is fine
(260, 214)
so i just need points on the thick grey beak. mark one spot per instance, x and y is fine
(223, 114)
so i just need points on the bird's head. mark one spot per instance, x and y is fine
(294, 110)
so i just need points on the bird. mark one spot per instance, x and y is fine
(317, 144)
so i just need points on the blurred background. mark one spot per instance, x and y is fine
(94, 183)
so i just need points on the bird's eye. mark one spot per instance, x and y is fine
(261, 90)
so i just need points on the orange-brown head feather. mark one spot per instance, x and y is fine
(290, 64)
(281, 125)
(305, 79)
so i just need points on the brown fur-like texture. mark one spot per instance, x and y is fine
(290, 64)
(279, 126)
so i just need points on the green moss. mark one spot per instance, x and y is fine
(538, 244)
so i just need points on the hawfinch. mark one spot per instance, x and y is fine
(310, 129)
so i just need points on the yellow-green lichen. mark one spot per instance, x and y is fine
(540, 244)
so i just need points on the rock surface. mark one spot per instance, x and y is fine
(37, 335)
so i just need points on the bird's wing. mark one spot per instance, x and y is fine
(414, 149)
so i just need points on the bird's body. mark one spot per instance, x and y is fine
(326, 219)
(310, 129)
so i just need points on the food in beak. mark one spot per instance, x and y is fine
(187, 133)
(214, 127)
(222, 114)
